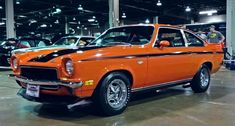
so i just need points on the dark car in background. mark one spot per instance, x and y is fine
(9, 45)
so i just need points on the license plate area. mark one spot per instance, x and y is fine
(33, 90)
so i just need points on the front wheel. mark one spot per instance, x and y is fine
(201, 80)
(113, 95)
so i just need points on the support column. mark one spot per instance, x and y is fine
(155, 19)
(113, 13)
(66, 26)
(10, 26)
(230, 32)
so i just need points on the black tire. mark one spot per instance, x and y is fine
(100, 97)
(201, 83)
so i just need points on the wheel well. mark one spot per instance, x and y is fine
(125, 72)
(208, 64)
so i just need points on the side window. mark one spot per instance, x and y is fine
(174, 36)
(24, 44)
(41, 44)
(193, 40)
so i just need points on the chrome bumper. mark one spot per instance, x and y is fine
(72, 85)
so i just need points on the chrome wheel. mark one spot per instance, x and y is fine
(117, 93)
(204, 77)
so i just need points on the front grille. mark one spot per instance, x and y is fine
(34, 73)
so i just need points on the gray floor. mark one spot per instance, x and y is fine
(172, 107)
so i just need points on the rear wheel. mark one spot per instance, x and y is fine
(113, 94)
(201, 80)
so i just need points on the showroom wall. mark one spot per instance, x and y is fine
(212, 19)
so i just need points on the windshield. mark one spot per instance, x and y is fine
(68, 41)
(133, 35)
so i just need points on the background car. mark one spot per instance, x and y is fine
(74, 41)
(9, 45)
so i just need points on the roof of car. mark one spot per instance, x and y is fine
(78, 36)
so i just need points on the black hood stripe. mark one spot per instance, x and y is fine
(48, 57)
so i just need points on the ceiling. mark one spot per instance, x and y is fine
(31, 14)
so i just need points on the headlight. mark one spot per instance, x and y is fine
(14, 63)
(68, 67)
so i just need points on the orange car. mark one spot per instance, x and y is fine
(121, 61)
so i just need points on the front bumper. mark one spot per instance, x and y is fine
(72, 85)
(49, 99)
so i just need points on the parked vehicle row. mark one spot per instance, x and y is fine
(26, 44)
(121, 61)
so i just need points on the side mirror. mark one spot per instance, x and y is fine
(164, 43)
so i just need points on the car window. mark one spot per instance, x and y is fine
(193, 40)
(41, 44)
(24, 44)
(174, 36)
(84, 41)
(132, 35)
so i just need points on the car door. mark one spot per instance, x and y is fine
(169, 64)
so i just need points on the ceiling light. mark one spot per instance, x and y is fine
(188, 9)
(2, 23)
(147, 21)
(123, 15)
(210, 12)
(80, 7)
(91, 20)
(57, 21)
(33, 21)
(85, 28)
(78, 27)
(1, 7)
(74, 19)
(22, 16)
(93, 17)
(159, 3)
(43, 26)
(17, 2)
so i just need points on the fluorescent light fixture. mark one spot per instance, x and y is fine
(209, 12)
(91, 20)
(2, 23)
(80, 7)
(159, 3)
(188, 9)
(22, 16)
(33, 21)
(147, 21)
(123, 15)
(43, 26)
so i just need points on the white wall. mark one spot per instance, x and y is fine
(212, 19)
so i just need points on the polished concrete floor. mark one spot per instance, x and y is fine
(172, 107)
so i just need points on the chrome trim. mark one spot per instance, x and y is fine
(161, 85)
(72, 85)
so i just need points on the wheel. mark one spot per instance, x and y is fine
(113, 94)
(201, 80)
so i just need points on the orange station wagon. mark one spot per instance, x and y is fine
(121, 61)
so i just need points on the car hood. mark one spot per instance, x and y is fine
(55, 54)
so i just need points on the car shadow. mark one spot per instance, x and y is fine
(143, 106)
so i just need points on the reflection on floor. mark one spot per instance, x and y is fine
(174, 107)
